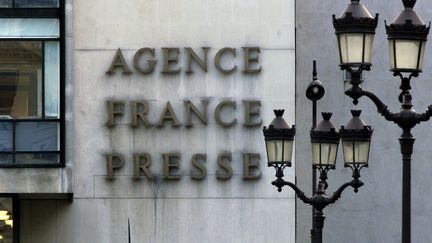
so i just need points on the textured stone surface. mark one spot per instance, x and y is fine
(156, 220)
(161, 211)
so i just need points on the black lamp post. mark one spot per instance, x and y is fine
(407, 36)
(279, 138)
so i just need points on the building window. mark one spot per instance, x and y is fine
(29, 3)
(31, 83)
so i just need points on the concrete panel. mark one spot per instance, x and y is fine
(157, 221)
(150, 23)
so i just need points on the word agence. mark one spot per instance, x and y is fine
(170, 59)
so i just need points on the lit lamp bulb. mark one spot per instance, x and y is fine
(9, 222)
(4, 217)
(3, 212)
(1, 237)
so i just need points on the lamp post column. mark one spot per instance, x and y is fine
(316, 232)
(407, 143)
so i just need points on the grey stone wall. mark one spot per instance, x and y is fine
(187, 210)
(373, 214)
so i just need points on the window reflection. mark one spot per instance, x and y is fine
(35, 3)
(5, 3)
(20, 79)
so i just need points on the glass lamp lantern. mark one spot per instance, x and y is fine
(356, 139)
(407, 36)
(355, 31)
(325, 141)
(279, 139)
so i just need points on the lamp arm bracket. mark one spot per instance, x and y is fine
(381, 107)
(300, 194)
(425, 116)
(355, 183)
(338, 193)
(355, 92)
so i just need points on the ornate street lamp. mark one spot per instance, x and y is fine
(325, 141)
(355, 30)
(279, 138)
(407, 36)
(356, 138)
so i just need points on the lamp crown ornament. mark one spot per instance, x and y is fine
(279, 113)
(409, 3)
(326, 115)
(356, 113)
(326, 125)
(325, 131)
(356, 128)
(279, 127)
(356, 123)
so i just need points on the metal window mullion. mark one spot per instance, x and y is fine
(43, 80)
(30, 120)
(30, 39)
(62, 82)
(13, 142)
(38, 152)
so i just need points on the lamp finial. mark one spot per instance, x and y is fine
(409, 3)
(356, 113)
(326, 115)
(279, 113)
(314, 71)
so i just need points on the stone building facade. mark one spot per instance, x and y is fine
(160, 109)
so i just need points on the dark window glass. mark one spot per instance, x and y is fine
(37, 159)
(37, 3)
(6, 220)
(6, 158)
(6, 137)
(21, 79)
(37, 136)
(5, 3)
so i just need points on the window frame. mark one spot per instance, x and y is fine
(57, 13)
